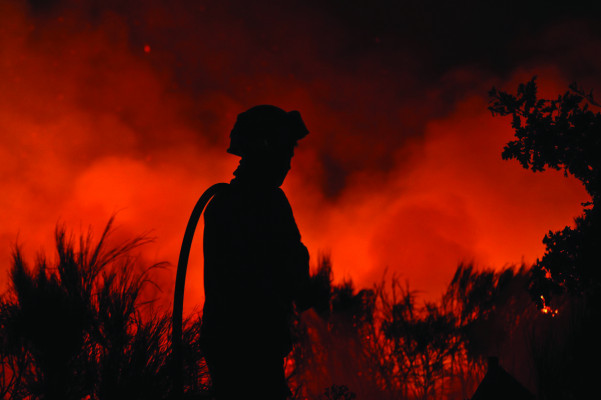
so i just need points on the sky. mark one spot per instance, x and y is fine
(125, 108)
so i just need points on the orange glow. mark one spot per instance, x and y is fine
(90, 126)
(548, 310)
(547, 275)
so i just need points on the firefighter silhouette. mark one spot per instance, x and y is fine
(255, 265)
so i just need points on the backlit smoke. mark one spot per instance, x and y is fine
(127, 109)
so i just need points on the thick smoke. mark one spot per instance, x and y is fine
(126, 107)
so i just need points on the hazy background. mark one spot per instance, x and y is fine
(108, 107)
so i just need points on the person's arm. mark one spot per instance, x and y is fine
(293, 254)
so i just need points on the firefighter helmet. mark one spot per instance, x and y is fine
(264, 130)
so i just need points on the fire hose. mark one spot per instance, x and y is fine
(178, 296)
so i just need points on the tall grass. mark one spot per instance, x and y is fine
(79, 328)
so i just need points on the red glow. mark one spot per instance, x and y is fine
(89, 128)
(548, 310)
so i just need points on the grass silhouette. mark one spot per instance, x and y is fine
(80, 327)
(76, 328)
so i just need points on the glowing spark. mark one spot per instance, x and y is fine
(547, 275)
(146, 48)
(548, 310)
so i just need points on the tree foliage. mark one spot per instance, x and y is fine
(562, 134)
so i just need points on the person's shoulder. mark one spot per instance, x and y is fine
(277, 194)
(279, 199)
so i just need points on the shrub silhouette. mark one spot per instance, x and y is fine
(77, 329)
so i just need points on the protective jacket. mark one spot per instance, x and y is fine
(255, 267)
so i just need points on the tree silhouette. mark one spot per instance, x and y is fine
(562, 134)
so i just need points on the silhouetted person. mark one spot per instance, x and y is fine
(255, 265)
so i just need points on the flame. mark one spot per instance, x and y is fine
(547, 274)
(548, 310)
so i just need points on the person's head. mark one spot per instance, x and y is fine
(265, 137)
